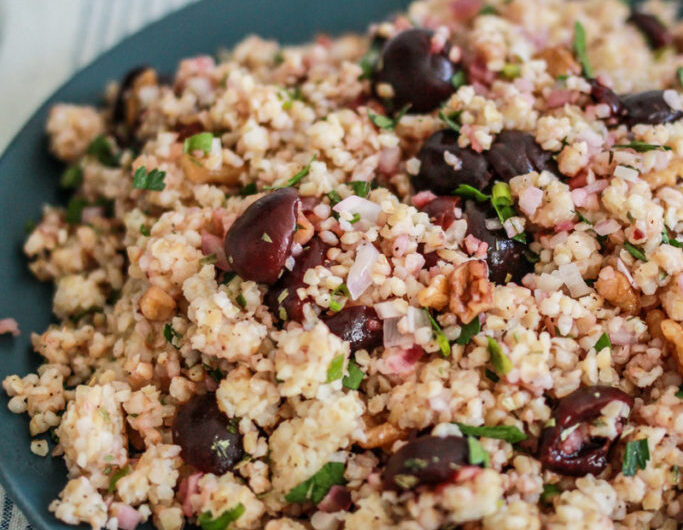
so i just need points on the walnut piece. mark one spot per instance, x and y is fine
(471, 292)
(559, 61)
(435, 295)
(156, 304)
(382, 435)
(614, 287)
(673, 332)
(196, 172)
(654, 320)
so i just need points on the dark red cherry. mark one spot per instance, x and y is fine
(517, 153)
(359, 325)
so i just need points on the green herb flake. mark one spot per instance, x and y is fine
(468, 192)
(198, 142)
(207, 522)
(153, 180)
(145, 230)
(582, 219)
(451, 119)
(104, 413)
(635, 251)
(335, 370)
(580, 50)
(679, 74)
(441, 338)
(30, 226)
(679, 394)
(74, 210)
(355, 218)
(101, 149)
(170, 334)
(265, 237)
(636, 457)
(360, 188)
(356, 375)
(335, 306)
(549, 491)
(385, 122)
(208, 260)
(370, 59)
(296, 178)
(642, 147)
(118, 475)
(334, 197)
(220, 447)
(249, 189)
(508, 433)
(458, 79)
(511, 71)
(499, 360)
(477, 454)
(491, 375)
(501, 200)
(241, 301)
(488, 10)
(315, 488)
(666, 240)
(469, 330)
(341, 289)
(603, 342)
(72, 177)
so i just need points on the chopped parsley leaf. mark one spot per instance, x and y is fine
(72, 177)
(249, 189)
(500, 361)
(441, 338)
(335, 370)
(208, 260)
(198, 142)
(491, 375)
(153, 180)
(335, 306)
(315, 488)
(265, 237)
(241, 301)
(636, 457)
(296, 178)
(207, 522)
(488, 10)
(369, 60)
(356, 375)
(101, 149)
(385, 122)
(679, 74)
(635, 251)
(477, 454)
(511, 71)
(469, 330)
(170, 334)
(74, 210)
(679, 394)
(458, 79)
(118, 475)
(144, 230)
(603, 342)
(334, 197)
(355, 218)
(549, 491)
(451, 119)
(360, 187)
(580, 50)
(582, 219)
(642, 147)
(670, 241)
(469, 192)
(509, 433)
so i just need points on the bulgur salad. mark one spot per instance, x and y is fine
(426, 278)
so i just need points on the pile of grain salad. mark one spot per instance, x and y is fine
(426, 278)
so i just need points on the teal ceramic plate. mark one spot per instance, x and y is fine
(28, 179)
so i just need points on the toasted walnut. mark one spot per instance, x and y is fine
(157, 304)
(435, 295)
(614, 287)
(560, 61)
(654, 320)
(665, 177)
(673, 332)
(147, 77)
(471, 292)
(304, 229)
(382, 435)
(197, 173)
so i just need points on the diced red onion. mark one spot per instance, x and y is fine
(392, 336)
(559, 98)
(595, 187)
(401, 361)
(466, 9)
(493, 223)
(621, 267)
(416, 319)
(422, 198)
(626, 173)
(622, 337)
(564, 226)
(400, 245)
(9, 325)
(389, 157)
(337, 499)
(606, 227)
(579, 197)
(212, 244)
(188, 486)
(367, 210)
(673, 99)
(530, 199)
(389, 309)
(571, 277)
(127, 516)
(90, 213)
(360, 274)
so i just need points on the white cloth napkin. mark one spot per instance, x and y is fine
(42, 43)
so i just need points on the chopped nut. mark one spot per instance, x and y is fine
(197, 173)
(673, 332)
(654, 320)
(304, 229)
(614, 287)
(147, 77)
(664, 177)
(39, 447)
(435, 295)
(471, 292)
(381, 435)
(560, 61)
(156, 304)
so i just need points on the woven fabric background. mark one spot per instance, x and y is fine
(43, 43)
